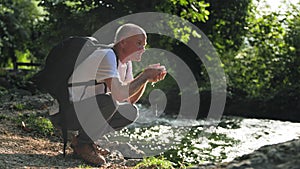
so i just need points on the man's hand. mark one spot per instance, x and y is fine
(155, 72)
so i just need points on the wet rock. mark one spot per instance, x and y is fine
(115, 157)
(121, 153)
(279, 156)
(241, 165)
(276, 157)
(293, 164)
(207, 166)
(127, 150)
(258, 158)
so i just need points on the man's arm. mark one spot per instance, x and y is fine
(135, 97)
(121, 91)
(135, 88)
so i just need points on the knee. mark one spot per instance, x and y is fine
(136, 112)
(129, 111)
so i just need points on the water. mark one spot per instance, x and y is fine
(203, 141)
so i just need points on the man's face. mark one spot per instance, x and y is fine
(134, 47)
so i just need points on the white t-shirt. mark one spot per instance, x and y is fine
(125, 71)
(100, 65)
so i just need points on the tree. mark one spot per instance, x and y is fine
(17, 20)
(267, 65)
(226, 24)
(66, 18)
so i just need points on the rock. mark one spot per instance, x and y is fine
(123, 154)
(293, 164)
(115, 157)
(21, 92)
(132, 162)
(278, 156)
(127, 150)
(258, 158)
(19, 99)
(40, 102)
(242, 165)
(103, 142)
(4, 83)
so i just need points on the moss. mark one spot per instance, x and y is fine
(153, 162)
(36, 124)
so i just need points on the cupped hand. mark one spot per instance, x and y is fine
(155, 72)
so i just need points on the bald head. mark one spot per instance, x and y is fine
(128, 30)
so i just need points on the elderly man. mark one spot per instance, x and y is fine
(112, 68)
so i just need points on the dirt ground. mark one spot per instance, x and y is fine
(21, 149)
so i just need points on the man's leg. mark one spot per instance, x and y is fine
(112, 119)
(82, 145)
(86, 115)
(126, 115)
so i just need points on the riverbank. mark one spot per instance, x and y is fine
(279, 156)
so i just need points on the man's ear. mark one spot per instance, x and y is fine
(122, 42)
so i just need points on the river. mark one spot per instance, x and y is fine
(203, 141)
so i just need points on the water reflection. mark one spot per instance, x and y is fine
(201, 141)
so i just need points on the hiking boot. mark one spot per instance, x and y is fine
(88, 152)
(101, 151)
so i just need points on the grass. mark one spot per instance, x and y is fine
(153, 162)
(35, 123)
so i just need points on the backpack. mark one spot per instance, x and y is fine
(60, 63)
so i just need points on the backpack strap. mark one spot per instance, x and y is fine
(117, 57)
(86, 84)
(64, 104)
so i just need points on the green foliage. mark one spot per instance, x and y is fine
(4, 116)
(3, 91)
(19, 106)
(36, 124)
(84, 166)
(268, 61)
(259, 50)
(17, 19)
(193, 10)
(69, 18)
(226, 24)
(153, 162)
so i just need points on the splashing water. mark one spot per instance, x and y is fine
(195, 141)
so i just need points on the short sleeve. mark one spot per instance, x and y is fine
(100, 65)
(107, 67)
